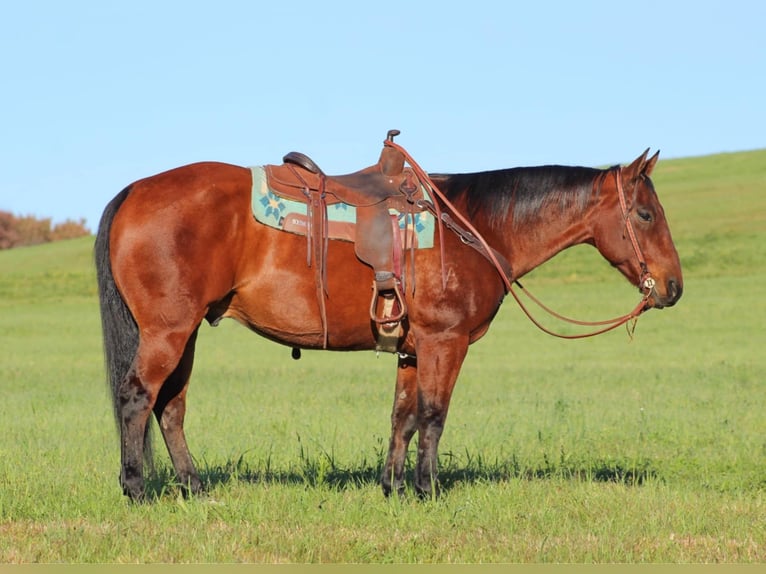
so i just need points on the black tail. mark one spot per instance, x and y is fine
(119, 328)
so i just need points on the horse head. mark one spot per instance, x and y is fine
(633, 234)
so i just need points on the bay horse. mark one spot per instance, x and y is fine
(182, 246)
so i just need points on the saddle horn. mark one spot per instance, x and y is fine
(391, 160)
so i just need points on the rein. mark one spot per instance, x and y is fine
(470, 236)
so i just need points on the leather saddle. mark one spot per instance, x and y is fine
(373, 191)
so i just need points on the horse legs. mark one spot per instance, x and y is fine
(155, 360)
(169, 410)
(134, 407)
(439, 360)
(403, 425)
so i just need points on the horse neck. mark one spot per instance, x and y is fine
(534, 242)
(551, 215)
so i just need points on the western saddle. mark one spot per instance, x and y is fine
(374, 191)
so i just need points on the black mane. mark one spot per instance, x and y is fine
(518, 194)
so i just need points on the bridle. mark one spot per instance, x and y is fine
(646, 282)
(470, 236)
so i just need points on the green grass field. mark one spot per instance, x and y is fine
(602, 450)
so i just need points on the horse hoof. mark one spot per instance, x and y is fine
(430, 492)
(135, 492)
(138, 497)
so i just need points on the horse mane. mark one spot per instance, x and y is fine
(518, 195)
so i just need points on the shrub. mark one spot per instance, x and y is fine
(18, 231)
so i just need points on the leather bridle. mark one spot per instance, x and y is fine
(646, 282)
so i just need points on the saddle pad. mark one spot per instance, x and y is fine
(291, 216)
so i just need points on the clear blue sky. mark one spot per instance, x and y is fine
(95, 94)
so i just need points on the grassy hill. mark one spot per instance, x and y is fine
(59, 270)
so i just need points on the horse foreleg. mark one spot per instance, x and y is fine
(403, 425)
(170, 410)
(439, 360)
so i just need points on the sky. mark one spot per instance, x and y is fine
(95, 95)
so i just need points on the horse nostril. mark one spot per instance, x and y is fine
(674, 291)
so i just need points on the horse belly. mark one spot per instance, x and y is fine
(279, 294)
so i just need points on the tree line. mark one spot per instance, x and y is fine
(18, 231)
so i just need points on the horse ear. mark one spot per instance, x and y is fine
(634, 169)
(649, 167)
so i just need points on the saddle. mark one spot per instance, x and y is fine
(374, 191)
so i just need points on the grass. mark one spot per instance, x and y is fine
(603, 450)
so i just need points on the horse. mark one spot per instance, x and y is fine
(182, 247)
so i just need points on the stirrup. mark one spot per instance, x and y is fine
(389, 286)
(387, 335)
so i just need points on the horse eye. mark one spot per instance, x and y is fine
(644, 215)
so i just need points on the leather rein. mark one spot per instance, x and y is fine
(471, 237)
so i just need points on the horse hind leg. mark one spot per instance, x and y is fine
(133, 413)
(403, 426)
(170, 410)
(155, 361)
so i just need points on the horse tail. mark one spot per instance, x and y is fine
(119, 328)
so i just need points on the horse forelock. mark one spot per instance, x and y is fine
(519, 195)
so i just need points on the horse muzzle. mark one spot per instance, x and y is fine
(672, 293)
